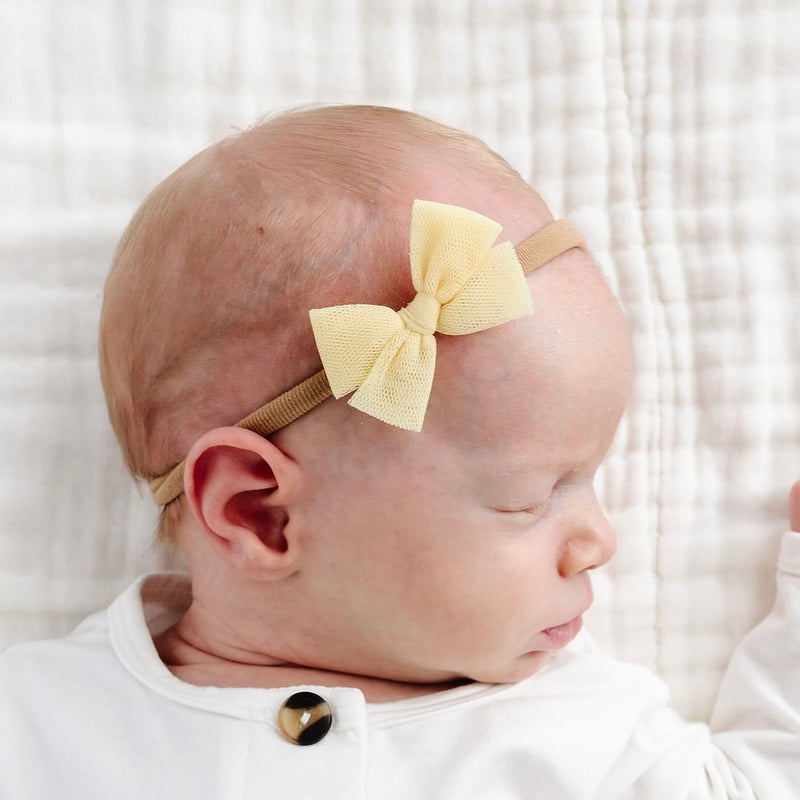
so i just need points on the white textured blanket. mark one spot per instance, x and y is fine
(668, 131)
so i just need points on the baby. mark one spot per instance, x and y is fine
(373, 420)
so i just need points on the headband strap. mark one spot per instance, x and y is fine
(543, 246)
(264, 421)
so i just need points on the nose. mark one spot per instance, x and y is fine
(590, 541)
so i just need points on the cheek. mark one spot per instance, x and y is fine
(481, 587)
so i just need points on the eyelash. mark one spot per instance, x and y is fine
(538, 511)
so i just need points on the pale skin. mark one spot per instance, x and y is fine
(344, 552)
(347, 552)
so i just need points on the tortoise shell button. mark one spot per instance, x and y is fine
(305, 718)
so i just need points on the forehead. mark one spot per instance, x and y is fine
(566, 367)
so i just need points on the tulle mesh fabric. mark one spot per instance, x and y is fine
(389, 364)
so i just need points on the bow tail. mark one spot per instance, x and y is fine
(398, 386)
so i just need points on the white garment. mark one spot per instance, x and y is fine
(97, 715)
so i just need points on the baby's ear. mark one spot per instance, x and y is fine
(240, 487)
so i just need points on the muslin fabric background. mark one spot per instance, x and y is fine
(668, 130)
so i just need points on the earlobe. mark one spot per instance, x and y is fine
(240, 487)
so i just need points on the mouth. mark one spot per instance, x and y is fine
(561, 635)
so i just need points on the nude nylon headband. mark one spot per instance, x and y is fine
(543, 246)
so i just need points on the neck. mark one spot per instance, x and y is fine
(194, 660)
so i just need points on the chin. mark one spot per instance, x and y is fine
(518, 670)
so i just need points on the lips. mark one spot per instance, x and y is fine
(562, 635)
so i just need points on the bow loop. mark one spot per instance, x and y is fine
(463, 284)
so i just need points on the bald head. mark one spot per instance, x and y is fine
(205, 313)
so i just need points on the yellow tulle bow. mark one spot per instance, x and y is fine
(463, 285)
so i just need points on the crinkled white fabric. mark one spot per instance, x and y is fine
(98, 715)
(667, 131)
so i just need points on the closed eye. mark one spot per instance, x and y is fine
(537, 511)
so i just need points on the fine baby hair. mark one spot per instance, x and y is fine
(388, 358)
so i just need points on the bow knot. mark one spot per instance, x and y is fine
(421, 315)
(464, 285)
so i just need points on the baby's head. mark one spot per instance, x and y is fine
(351, 545)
